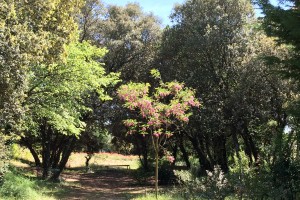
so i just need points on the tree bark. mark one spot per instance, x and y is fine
(203, 161)
(88, 157)
(45, 149)
(34, 154)
(184, 154)
(64, 159)
(156, 166)
(220, 152)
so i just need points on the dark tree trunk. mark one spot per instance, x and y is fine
(254, 150)
(220, 152)
(185, 155)
(250, 148)
(54, 150)
(174, 154)
(88, 157)
(236, 143)
(45, 133)
(64, 159)
(58, 151)
(34, 154)
(143, 152)
(208, 149)
(203, 161)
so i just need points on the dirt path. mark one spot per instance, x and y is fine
(105, 184)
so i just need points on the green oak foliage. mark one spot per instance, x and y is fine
(56, 92)
(214, 46)
(31, 32)
(56, 102)
(282, 22)
(130, 35)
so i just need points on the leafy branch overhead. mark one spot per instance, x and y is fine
(59, 89)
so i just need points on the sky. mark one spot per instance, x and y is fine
(160, 8)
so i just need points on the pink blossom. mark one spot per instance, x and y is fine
(163, 94)
(171, 159)
(177, 87)
(191, 101)
(156, 134)
(129, 123)
(185, 119)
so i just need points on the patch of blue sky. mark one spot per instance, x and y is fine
(163, 8)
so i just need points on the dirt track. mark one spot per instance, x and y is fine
(104, 184)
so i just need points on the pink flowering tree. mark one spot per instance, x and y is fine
(158, 108)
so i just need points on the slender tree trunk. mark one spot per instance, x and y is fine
(156, 166)
(184, 154)
(45, 149)
(236, 143)
(34, 154)
(220, 152)
(58, 151)
(203, 161)
(142, 147)
(64, 159)
(174, 154)
(88, 157)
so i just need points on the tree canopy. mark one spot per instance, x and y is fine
(74, 76)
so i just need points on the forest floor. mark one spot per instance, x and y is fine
(106, 180)
(108, 184)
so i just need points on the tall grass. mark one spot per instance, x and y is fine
(160, 197)
(17, 187)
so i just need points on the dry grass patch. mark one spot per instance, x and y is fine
(103, 159)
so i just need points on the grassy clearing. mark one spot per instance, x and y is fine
(77, 160)
(75, 168)
(23, 158)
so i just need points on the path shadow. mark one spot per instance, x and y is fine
(103, 184)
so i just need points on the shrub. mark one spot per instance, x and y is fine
(141, 176)
(213, 186)
(15, 186)
(4, 156)
(279, 181)
(160, 197)
(165, 173)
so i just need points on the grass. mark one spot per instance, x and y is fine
(160, 197)
(76, 165)
(77, 160)
(17, 186)
(23, 158)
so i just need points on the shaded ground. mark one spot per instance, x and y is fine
(105, 182)
(108, 184)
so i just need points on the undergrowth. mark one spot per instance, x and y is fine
(16, 186)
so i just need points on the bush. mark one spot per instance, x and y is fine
(17, 187)
(141, 176)
(280, 181)
(4, 156)
(165, 173)
(213, 186)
